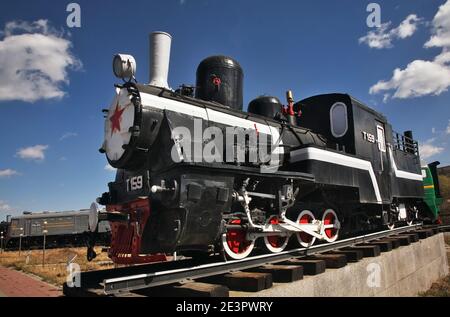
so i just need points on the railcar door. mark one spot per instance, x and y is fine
(28, 228)
(381, 163)
(35, 228)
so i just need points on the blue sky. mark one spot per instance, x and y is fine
(51, 127)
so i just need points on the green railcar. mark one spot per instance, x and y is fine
(432, 194)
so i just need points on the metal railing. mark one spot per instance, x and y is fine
(405, 144)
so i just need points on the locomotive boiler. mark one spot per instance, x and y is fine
(197, 175)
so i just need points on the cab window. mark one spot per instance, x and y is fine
(338, 119)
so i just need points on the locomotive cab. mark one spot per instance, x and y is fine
(374, 152)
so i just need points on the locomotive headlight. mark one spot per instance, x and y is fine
(124, 66)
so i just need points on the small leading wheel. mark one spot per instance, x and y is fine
(275, 243)
(304, 239)
(330, 224)
(235, 243)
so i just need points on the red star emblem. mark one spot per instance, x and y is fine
(115, 119)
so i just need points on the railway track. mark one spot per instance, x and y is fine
(137, 278)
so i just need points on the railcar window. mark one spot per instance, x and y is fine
(338, 119)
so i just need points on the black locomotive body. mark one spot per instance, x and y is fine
(199, 175)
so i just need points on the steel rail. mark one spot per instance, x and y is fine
(147, 280)
(440, 227)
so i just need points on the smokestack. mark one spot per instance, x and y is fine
(160, 43)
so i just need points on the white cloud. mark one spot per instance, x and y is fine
(441, 27)
(34, 60)
(428, 150)
(110, 168)
(443, 58)
(8, 173)
(419, 78)
(382, 37)
(36, 152)
(4, 206)
(435, 145)
(13, 26)
(379, 38)
(408, 27)
(68, 135)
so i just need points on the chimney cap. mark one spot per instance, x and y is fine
(161, 32)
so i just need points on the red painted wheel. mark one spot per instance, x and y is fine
(275, 243)
(303, 238)
(330, 223)
(235, 243)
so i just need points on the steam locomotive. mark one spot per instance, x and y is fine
(197, 175)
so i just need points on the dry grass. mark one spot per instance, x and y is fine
(442, 287)
(444, 182)
(439, 289)
(55, 269)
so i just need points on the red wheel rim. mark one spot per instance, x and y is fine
(305, 219)
(236, 239)
(329, 220)
(276, 241)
